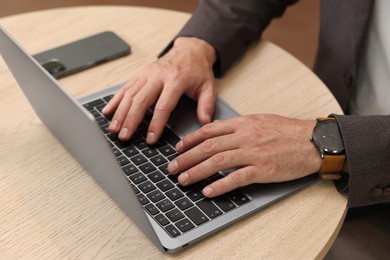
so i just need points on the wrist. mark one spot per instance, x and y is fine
(197, 45)
(328, 139)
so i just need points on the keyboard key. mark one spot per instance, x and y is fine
(164, 169)
(122, 144)
(215, 177)
(172, 230)
(173, 178)
(209, 208)
(158, 160)
(202, 184)
(173, 156)
(100, 107)
(174, 215)
(116, 152)
(149, 152)
(195, 195)
(167, 150)
(170, 137)
(123, 160)
(148, 115)
(165, 185)
(92, 104)
(142, 199)
(184, 203)
(152, 209)
(224, 203)
(239, 198)
(184, 225)
(108, 98)
(196, 216)
(184, 188)
(160, 143)
(165, 205)
(112, 137)
(130, 169)
(141, 144)
(138, 159)
(156, 176)
(147, 168)
(95, 113)
(137, 178)
(130, 151)
(146, 187)
(136, 190)
(101, 121)
(174, 194)
(104, 128)
(156, 196)
(143, 129)
(162, 219)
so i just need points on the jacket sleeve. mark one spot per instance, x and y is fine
(230, 26)
(367, 146)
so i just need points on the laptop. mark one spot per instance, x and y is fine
(133, 173)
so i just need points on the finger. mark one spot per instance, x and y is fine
(124, 106)
(202, 152)
(163, 109)
(141, 102)
(113, 104)
(206, 103)
(239, 178)
(217, 128)
(218, 162)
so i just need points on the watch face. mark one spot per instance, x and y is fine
(327, 137)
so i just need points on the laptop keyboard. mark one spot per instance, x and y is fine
(176, 208)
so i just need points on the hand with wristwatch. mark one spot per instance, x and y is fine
(327, 137)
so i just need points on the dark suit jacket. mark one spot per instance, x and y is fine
(231, 26)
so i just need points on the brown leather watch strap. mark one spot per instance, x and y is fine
(332, 166)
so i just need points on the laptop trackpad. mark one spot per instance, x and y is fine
(184, 120)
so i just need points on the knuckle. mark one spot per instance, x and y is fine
(208, 146)
(183, 159)
(241, 178)
(218, 160)
(162, 106)
(207, 130)
(130, 93)
(139, 99)
(175, 73)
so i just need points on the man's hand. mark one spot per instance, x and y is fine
(185, 69)
(264, 148)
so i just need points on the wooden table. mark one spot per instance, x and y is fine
(51, 208)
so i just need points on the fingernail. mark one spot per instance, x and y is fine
(173, 167)
(114, 125)
(208, 191)
(183, 178)
(104, 110)
(179, 146)
(123, 133)
(151, 137)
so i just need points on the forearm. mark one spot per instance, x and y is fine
(367, 145)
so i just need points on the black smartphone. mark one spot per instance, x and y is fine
(83, 54)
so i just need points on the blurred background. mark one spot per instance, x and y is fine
(297, 32)
(366, 231)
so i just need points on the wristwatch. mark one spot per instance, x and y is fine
(327, 137)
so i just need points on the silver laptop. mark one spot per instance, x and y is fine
(133, 173)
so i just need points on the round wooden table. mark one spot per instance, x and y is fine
(51, 208)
